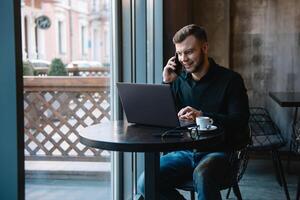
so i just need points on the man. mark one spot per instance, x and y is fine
(203, 88)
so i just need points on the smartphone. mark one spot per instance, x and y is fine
(178, 65)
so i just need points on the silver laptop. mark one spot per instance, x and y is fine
(150, 104)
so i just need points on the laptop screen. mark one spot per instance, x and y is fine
(148, 104)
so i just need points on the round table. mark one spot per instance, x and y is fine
(125, 137)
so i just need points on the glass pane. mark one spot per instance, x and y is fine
(66, 64)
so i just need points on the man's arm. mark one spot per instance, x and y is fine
(169, 74)
(237, 107)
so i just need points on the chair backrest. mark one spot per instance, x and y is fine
(261, 122)
(241, 163)
(238, 161)
(295, 141)
(265, 132)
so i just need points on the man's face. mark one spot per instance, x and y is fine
(191, 54)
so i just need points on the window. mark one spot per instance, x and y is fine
(54, 114)
(36, 40)
(96, 45)
(96, 6)
(83, 40)
(25, 37)
(61, 38)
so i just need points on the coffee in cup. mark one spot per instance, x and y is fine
(204, 123)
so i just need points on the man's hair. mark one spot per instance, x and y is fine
(192, 29)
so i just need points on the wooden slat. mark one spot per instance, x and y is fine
(62, 83)
(77, 70)
(54, 104)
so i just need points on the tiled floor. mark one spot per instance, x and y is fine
(46, 189)
(258, 183)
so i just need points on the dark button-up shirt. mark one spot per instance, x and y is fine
(219, 94)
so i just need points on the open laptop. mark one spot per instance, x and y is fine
(150, 104)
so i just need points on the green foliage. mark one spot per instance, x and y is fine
(57, 68)
(28, 69)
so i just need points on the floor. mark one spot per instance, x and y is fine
(45, 189)
(258, 183)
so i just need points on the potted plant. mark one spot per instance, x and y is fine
(57, 68)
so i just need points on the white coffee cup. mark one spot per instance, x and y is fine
(204, 123)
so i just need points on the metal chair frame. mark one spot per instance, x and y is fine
(298, 189)
(240, 161)
(295, 148)
(266, 136)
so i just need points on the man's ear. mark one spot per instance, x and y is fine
(205, 47)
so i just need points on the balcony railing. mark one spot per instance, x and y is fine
(56, 109)
(78, 71)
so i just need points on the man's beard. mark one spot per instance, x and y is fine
(200, 64)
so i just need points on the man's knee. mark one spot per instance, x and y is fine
(213, 168)
(200, 172)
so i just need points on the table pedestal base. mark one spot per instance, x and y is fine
(151, 175)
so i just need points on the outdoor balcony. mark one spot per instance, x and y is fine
(55, 110)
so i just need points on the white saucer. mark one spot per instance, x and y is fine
(212, 127)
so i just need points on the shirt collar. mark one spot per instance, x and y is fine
(212, 67)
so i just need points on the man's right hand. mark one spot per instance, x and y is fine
(169, 74)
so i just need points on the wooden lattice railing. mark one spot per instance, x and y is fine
(78, 71)
(56, 109)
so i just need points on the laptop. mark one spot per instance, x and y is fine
(150, 104)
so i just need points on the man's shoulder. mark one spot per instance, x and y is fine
(228, 73)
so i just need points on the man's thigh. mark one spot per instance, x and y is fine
(216, 167)
(176, 167)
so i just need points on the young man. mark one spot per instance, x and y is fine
(202, 88)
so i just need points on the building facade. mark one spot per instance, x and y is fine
(67, 29)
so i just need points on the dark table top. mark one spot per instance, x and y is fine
(286, 99)
(126, 137)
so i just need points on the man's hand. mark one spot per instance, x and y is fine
(169, 74)
(189, 113)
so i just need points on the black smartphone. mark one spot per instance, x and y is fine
(178, 65)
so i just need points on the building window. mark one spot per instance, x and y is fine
(96, 45)
(61, 38)
(26, 35)
(83, 40)
(96, 6)
(36, 41)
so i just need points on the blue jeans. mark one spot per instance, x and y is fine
(210, 172)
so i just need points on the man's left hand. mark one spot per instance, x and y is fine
(189, 113)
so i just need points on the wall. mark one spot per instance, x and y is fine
(213, 15)
(260, 39)
(176, 14)
(265, 50)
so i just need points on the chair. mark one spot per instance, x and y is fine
(295, 141)
(239, 164)
(266, 136)
(298, 189)
(295, 144)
